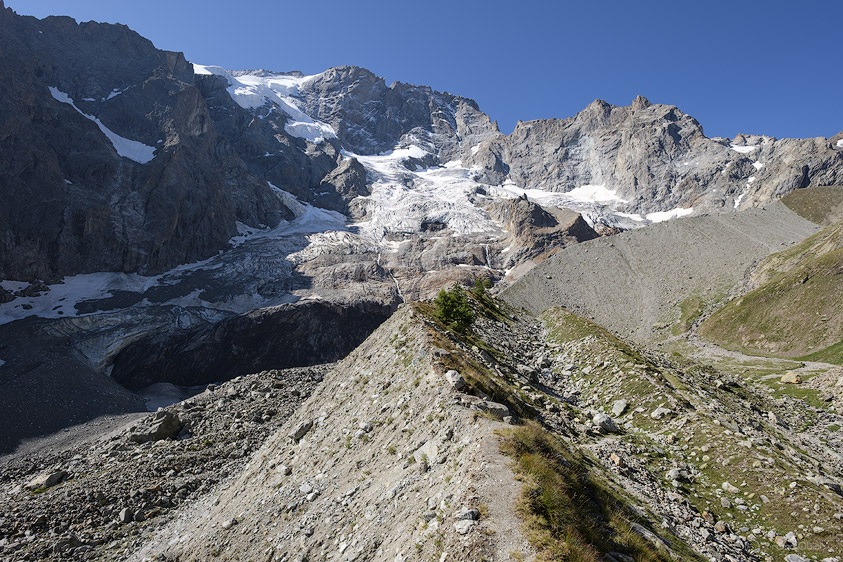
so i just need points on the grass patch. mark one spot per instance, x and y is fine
(569, 515)
(565, 326)
(690, 310)
(831, 354)
(820, 205)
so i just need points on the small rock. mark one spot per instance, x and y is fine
(456, 380)
(791, 378)
(463, 526)
(126, 515)
(730, 488)
(229, 523)
(301, 430)
(285, 470)
(605, 423)
(721, 527)
(468, 513)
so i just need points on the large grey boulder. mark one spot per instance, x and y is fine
(46, 480)
(163, 425)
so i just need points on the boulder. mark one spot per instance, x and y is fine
(619, 407)
(497, 411)
(164, 425)
(46, 480)
(660, 412)
(791, 378)
(455, 379)
(605, 423)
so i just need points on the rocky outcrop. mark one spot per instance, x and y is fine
(536, 232)
(370, 117)
(341, 186)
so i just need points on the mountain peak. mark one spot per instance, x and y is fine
(640, 102)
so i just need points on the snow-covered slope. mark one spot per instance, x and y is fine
(254, 90)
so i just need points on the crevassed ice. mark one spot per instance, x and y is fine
(127, 148)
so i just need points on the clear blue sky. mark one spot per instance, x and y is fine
(773, 67)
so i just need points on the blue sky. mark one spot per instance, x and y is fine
(773, 67)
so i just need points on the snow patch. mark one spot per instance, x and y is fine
(595, 194)
(586, 194)
(662, 216)
(127, 148)
(280, 90)
(634, 216)
(758, 165)
(743, 149)
(840, 143)
(60, 301)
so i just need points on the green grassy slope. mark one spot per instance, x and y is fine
(796, 310)
(821, 205)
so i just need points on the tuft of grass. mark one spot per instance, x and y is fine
(569, 515)
(690, 310)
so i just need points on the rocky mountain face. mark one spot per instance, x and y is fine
(110, 159)
(119, 157)
(655, 158)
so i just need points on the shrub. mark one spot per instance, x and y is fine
(453, 309)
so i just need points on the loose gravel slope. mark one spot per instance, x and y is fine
(638, 282)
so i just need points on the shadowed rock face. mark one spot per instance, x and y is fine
(71, 203)
(293, 335)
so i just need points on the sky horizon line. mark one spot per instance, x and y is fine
(754, 99)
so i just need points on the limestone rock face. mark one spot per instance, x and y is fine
(370, 117)
(656, 158)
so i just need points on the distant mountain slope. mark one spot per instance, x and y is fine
(117, 156)
(655, 158)
(109, 159)
(635, 283)
(822, 205)
(796, 308)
